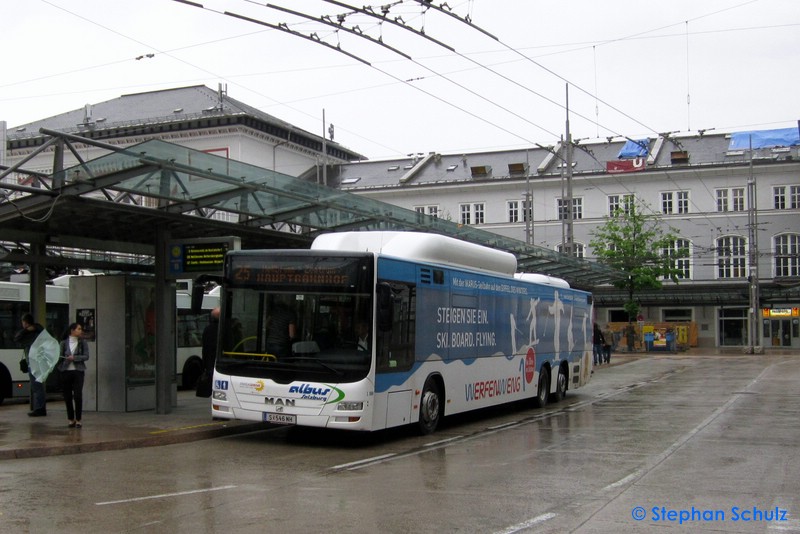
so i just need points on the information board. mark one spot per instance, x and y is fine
(190, 257)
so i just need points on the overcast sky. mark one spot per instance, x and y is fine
(634, 68)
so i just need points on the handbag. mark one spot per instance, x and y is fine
(23, 365)
(204, 385)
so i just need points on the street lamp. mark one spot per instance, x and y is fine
(752, 278)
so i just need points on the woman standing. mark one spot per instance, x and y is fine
(74, 352)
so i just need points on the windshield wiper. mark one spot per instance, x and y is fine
(315, 360)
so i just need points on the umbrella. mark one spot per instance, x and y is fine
(43, 356)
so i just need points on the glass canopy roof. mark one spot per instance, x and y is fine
(180, 180)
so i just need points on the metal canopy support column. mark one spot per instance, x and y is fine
(38, 292)
(38, 286)
(166, 396)
(58, 165)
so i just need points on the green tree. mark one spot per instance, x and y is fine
(640, 245)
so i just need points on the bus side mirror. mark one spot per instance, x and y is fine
(198, 291)
(385, 307)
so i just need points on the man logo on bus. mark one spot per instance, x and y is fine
(530, 365)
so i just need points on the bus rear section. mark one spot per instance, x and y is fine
(14, 303)
(189, 327)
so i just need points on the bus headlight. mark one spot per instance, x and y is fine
(220, 395)
(350, 406)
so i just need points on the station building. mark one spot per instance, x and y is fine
(196, 117)
(737, 210)
(733, 198)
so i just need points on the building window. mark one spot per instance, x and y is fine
(479, 210)
(433, 211)
(787, 255)
(527, 210)
(514, 214)
(617, 316)
(666, 203)
(737, 195)
(676, 315)
(683, 201)
(782, 201)
(675, 202)
(512, 208)
(779, 193)
(731, 257)
(577, 209)
(466, 213)
(472, 212)
(619, 203)
(682, 265)
(577, 249)
(722, 200)
(730, 199)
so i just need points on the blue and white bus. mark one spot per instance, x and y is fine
(189, 326)
(390, 329)
(14, 303)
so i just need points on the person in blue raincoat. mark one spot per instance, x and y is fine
(25, 337)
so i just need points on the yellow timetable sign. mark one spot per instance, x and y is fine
(780, 312)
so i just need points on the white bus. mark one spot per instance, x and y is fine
(189, 326)
(14, 303)
(449, 328)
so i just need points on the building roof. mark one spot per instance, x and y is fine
(166, 110)
(662, 152)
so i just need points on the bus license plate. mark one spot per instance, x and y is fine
(280, 418)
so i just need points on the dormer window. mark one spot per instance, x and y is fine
(481, 170)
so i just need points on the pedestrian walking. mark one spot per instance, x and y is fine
(608, 344)
(598, 340)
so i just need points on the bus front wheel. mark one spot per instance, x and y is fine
(430, 407)
(543, 393)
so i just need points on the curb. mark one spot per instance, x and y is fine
(158, 438)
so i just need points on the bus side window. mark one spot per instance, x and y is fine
(396, 345)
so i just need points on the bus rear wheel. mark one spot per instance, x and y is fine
(543, 393)
(561, 385)
(430, 407)
(5, 384)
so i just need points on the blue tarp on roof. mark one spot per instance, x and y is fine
(765, 138)
(634, 149)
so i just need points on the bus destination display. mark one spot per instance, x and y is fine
(291, 272)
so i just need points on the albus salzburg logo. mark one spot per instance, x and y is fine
(309, 392)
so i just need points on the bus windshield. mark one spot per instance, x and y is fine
(288, 319)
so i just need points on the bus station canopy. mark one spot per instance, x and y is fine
(105, 213)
